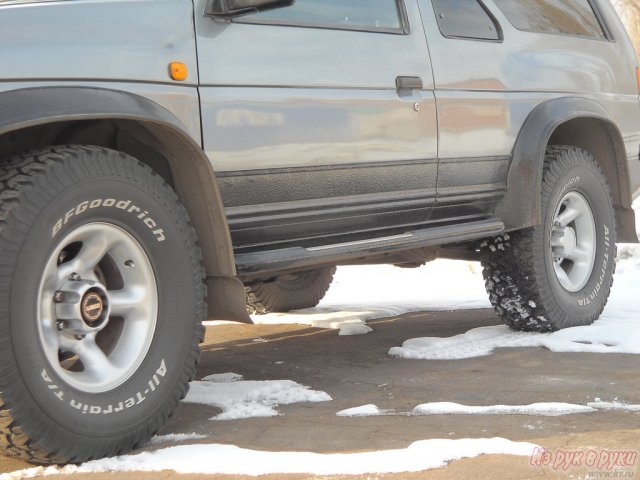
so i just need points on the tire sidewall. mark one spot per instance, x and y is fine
(145, 393)
(590, 300)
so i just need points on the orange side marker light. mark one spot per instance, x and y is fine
(178, 71)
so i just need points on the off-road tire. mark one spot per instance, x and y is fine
(519, 274)
(43, 417)
(289, 292)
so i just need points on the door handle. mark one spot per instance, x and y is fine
(409, 83)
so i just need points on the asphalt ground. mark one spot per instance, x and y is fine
(357, 370)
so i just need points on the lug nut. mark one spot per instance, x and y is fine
(58, 297)
(61, 324)
(74, 277)
(81, 336)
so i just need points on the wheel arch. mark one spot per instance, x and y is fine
(42, 116)
(572, 121)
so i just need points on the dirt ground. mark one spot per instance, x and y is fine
(356, 370)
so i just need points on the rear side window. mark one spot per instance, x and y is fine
(568, 17)
(382, 15)
(465, 19)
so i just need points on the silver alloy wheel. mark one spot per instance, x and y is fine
(97, 307)
(573, 242)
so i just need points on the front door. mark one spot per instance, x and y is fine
(320, 121)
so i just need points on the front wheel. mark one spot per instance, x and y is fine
(101, 304)
(557, 274)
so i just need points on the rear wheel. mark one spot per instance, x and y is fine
(101, 304)
(557, 274)
(292, 291)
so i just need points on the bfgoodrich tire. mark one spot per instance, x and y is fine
(558, 274)
(289, 292)
(101, 304)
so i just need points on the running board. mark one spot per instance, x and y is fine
(299, 258)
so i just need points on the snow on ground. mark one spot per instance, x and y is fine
(363, 293)
(542, 409)
(547, 409)
(617, 331)
(363, 411)
(176, 437)
(613, 405)
(240, 398)
(231, 460)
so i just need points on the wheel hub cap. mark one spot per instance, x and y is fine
(564, 242)
(83, 305)
(573, 242)
(93, 308)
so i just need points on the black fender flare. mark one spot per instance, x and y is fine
(520, 207)
(195, 180)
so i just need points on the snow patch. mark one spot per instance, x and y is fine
(363, 411)
(542, 409)
(232, 460)
(216, 323)
(477, 342)
(246, 399)
(613, 405)
(617, 330)
(176, 437)
(346, 322)
(388, 291)
(546, 409)
(223, 378)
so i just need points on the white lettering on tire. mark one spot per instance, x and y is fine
(116, 407)
(603, 271)
(125, 205)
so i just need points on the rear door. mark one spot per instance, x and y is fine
(494, 62)
(312, 140)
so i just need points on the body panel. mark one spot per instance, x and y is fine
(486, 90)
(326, 126)
(132, 40)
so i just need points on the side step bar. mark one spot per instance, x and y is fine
(299, 258)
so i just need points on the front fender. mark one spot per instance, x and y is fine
(194, 178)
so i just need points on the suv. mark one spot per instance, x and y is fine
(167, 161)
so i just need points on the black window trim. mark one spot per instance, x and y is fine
(607, 37)
(489, 13)
(608, 33)
(404, 28)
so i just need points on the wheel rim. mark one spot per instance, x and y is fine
(573, 242)
(97, 307)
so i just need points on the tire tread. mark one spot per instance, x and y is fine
(515, 277)
(275, 296)
(17, 173)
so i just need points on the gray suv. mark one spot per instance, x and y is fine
(167, 161)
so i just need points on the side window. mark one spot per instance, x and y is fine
(568, 17)
(376, 15)
(465, 19)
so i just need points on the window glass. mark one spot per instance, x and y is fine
(570, 17)
(465, 19)
(366, 14)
